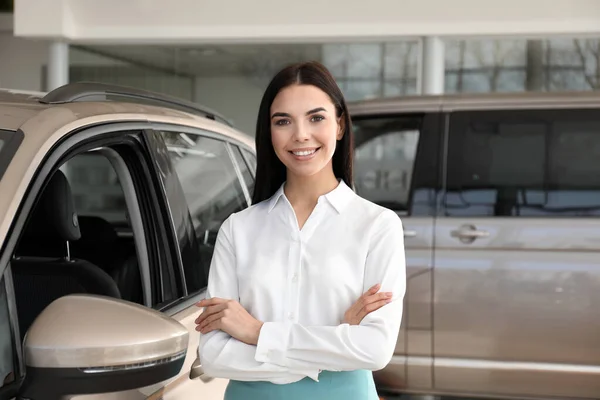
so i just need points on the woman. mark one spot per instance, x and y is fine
(306, 286)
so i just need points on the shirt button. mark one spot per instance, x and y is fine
(290, 315)
(295, 278)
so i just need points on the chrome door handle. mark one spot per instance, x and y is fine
(410, 233)
(198, 372)
(469, 233)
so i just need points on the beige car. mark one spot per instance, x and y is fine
(110, 201)
(500, 199)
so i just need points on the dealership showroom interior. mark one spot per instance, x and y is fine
(167, 231)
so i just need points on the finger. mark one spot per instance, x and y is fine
(214, 326)
(211, 319)
(378, 296)
(208, 311)
(210, 302)
(369, 308)
(373, 289)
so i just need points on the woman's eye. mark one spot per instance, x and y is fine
(282, 122)
(317, 118)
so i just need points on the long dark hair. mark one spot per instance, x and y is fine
(270, 171)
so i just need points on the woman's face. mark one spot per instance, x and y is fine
(304, 129)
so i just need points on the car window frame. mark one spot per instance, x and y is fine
(11, 390)
(188, 299)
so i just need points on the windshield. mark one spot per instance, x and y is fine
(9, 143)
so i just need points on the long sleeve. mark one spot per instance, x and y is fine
(369, 345)
(221, 355)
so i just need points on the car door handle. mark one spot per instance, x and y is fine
(198, 372)
(410, 233)
(469, 233)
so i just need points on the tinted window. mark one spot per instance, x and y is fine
(95, 187)
(9, 143)
(251, 159)
(7, 354)
(245, 169)
(385, 164)
(212, 189)
(531, 164)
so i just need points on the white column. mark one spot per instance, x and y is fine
(58, 65)
(432, 63)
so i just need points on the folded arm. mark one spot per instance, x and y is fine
(369, 345)
(223, 356)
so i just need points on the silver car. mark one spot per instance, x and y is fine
(500, 198)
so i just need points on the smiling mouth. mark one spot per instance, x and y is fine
(304, 153)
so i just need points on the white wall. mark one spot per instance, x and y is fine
(235, 97)
(22, 59)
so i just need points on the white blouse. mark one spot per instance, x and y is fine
(301, 282)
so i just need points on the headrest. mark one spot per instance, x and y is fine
(97, 229)
(54, 216)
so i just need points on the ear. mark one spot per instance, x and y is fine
(341, 127)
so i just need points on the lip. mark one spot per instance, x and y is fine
(304, 157)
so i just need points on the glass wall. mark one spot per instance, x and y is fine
(232, 78)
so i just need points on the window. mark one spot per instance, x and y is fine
(9, 143)
(384, 160)
(7, 354)
(96, 188)
(247, 173)
(524, 163)
(251, 159)
(212, 190)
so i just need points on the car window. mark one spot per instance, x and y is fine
(7, 353)
(523, 164)
(245, 168)
(95, 187)
(384, 160)
(251, 159)
(9, 143)
(212, 190)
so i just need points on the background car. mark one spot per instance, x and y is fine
(110, 194)
(499, 195)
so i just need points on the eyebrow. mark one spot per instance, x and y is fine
(314, 110)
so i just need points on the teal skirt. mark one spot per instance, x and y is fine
(346, 385)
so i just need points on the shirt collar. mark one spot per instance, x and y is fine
(338, 197)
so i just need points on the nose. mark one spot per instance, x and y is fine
(301, 133)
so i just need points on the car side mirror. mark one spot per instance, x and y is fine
(85, 344)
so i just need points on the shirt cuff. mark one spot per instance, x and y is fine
(272, 343)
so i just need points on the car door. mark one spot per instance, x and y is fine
(517, 259)
(397, 166)
(204, 183)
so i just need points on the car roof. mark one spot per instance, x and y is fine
(17, 107)
(484, 101)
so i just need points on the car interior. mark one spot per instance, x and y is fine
(69, 247)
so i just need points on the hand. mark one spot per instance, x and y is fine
(230, 317)
(367, 303)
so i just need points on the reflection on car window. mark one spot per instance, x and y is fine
(384, 160)
(523, 166)
(7, 360)
(96, 188)
(245, 169)
(212, 190)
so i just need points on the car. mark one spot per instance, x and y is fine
(110, 202)
(499, 195)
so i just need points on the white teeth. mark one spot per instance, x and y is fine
(304, 153)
